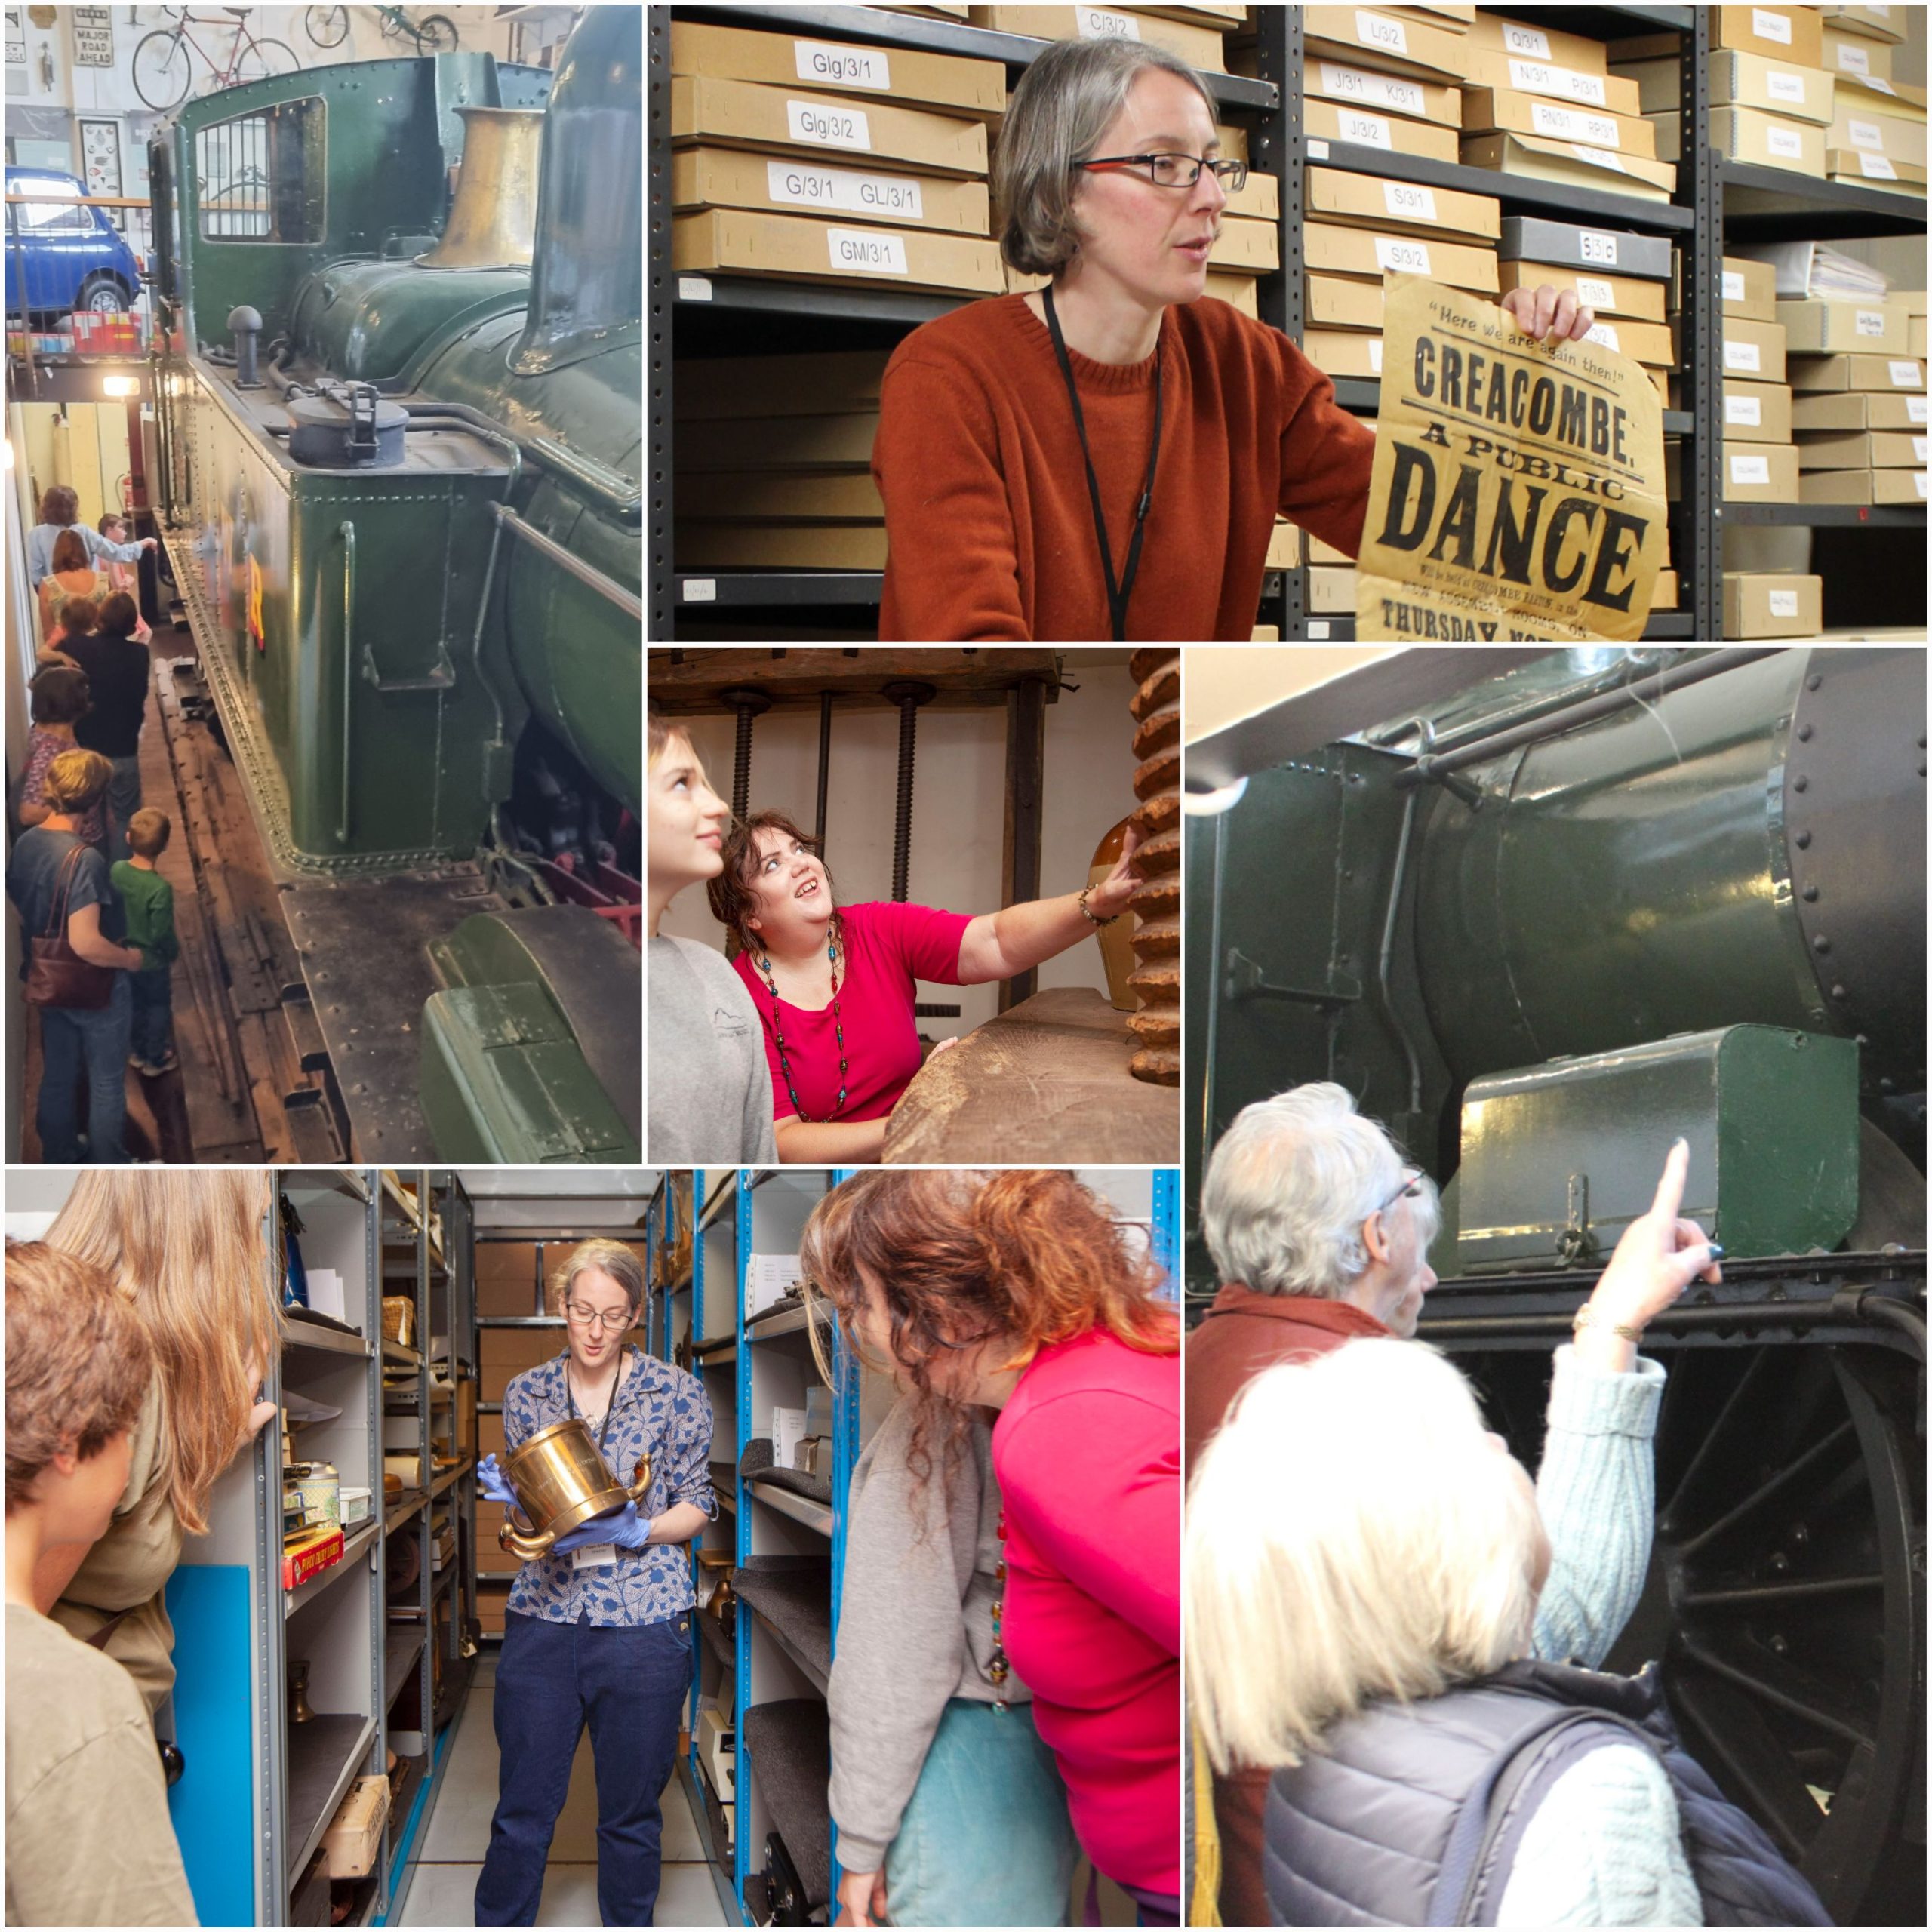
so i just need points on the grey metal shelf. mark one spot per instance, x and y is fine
(325, 1755)
(1831, 516)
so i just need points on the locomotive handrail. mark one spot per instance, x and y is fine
(346, 531)
(608, 588)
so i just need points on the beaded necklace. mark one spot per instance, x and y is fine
(838, 1023)
(998, 1669)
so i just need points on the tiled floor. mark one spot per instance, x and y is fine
(443, 1890)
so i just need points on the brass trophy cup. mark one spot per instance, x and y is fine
(561, 1481)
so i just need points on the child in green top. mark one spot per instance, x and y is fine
(149, 901)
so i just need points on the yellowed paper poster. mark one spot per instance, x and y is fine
(1517, 493)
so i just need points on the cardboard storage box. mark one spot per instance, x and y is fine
(1795, 34)
(834, 128)
(1892, 486)
(1614, 296)
(779, 442)
(1865, 449)
(1750, 290)
(1757, 413)
(1816, 327)
(1360, 251)
(1754, 351)
(1490, 67)
(1260, 198)
(1326, 120)
(1237, 291)
(1664, 597)
(1383, 40)
(492, 1559)
(1527, 40)
(1772, 604)
(1571, 165)
(355, 1835)
(1383, 94)
(1772, 86)
(1760, 473)
(505, 1352)
(491, 1601)
(1767, 140)
(1530, 237)
(1343, 353)
(735, 178)
(1882, 373)
(837, 383)
(1856, 53)
(781, 496)
(490, 1437)
(1366, 201)
(1860, 410)
(1333, 303)
(1880, 23)
(1246, 247)
(1200, 46)
(1647, 342)
(1487, 109)
(1331, 587)
(1874, 170)
(1283, 547)
(1854, 126)
(794, 247)
(827, 66)
(738, 546)
(506, 1281)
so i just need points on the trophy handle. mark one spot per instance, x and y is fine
(526, 1544)
(639, 1490)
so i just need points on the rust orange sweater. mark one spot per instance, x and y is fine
(990, 532)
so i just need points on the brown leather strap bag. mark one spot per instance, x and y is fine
(56, 974)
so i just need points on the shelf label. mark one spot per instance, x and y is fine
(1401, 257)
(1916, 409)
(1369, 131)
(1877, 167)
(700, 590)
(1411, 203)
(1539, 77)
(1602, 157)
(1378, 30)
(1743, 355)
(1784, 603)
(1524, 40)
(1744, 409)
(1919, 477)
(1881, 86)
(842, 67)
(1866, 134)
(1853, 60)
(1375, 353)
(1868, 321)
(1919, 449)
(1318, 627)
(1748, 470)
(1907, 376)
(800, 185)
(1770, 26)
(867, 251)
(1782, 84)
(1572, 124)
(694, 288)
(1351, 83)
(828, 127)
(1318, 150)
(1786, 143)
(1603, 332)
(1599, 294)
(1733, 285)
(1097, 23)
(1600, 249)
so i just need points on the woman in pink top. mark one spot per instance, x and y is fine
(835, 985)
(1015, 1290)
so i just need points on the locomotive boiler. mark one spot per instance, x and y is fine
(1550, 918)
(397, 427)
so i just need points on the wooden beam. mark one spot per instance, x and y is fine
(1026, 785)
(686, 682)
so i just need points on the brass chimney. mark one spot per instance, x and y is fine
(492, 219)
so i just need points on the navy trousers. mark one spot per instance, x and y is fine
(630, 1685)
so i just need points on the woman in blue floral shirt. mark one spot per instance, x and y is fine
(598, 1631)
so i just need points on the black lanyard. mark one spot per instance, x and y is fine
(610, 1408)
(1118, 593)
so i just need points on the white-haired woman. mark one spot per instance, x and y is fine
(1386, 1640)
(1106, 457)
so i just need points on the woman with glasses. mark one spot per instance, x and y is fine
(598, 1631)
(1106, 457)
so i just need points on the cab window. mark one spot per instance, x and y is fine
(260, 177)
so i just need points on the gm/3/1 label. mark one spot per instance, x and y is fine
(800, 185)
(867, 251)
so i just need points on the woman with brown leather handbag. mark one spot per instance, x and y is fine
(60, 884)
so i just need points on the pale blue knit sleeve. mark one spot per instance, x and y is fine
(1604, 1848)
(1596, 1492)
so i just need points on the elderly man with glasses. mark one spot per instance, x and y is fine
(1320, 1232)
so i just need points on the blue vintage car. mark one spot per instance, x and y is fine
(73, 256)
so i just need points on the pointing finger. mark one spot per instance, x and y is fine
(1670, 1188)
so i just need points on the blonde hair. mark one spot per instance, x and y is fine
(1351, 1534)
(186, 1246)
(610, 1257)
(75, 781)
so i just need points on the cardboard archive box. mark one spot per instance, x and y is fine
(1757, 413)
(1760, 473)
(492, 1559)
(503, 1353)
(1795, 34)
(1859, 409)
(1489, 109)
(1531, 238)
(1865, 132)
(1325, 121)
(736, 241)
(1366, 201)
(1864, 449)
(1571, 165)
(738, 546)
(1825, 327)
(839, 382)
(1524, 40)
(782, 496)
(1615, 296)
(1856, 54)
(1874, 170)
(1881, 24)
(1383, 94)
(1750, 290)
(1331, 587)
(779, 442)
(1772, 86)
(1881, 373)
(506, 1282)
(1383, 41)
(1335, 303)
(1772, 604)
(736, 178)
(1361, 252)
(1875, 487)
(1200, 46)
(1343, 353)
(1767, 140)
(1237, 291)
(1754, 351)
(834, 128)
(975, 88)
(1490, 67)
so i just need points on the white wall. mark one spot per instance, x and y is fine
(958, 808)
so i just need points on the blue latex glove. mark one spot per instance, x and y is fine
(624, 1528)
(491, 1484)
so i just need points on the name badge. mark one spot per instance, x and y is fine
(596, 1556)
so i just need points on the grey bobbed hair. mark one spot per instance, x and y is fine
(1060, 110)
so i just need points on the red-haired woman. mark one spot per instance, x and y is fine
(835, 985)
(1013, 1291)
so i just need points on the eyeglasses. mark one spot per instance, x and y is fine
(597, 1319)
(1412, 1180)
(1176, 171)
